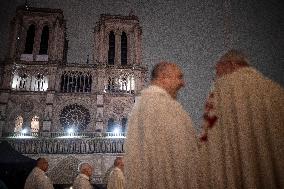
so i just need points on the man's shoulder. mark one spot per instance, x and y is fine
(81, 182)
(154, 97)
(82, 177)
(79, 177)
(34, 172)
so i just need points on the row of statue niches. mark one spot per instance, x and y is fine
(68, 146)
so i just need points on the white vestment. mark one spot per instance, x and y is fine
(82, 181)
(37, 179)
(245, 147)
(116, 179)
(161, 146)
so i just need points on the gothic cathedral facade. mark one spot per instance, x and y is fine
(44, 95)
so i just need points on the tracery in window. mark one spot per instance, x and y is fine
(75, 82)
(75, 116)
(18, 124)
(25, 82)
(121, 84)
(21, 81)
(35, 124)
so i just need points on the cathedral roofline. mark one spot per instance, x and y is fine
(39, 10)
(104, 17)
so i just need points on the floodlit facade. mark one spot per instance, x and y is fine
(68, 111)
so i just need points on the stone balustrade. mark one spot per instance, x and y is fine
(76, 145)
(64, 135)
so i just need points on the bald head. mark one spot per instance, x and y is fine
(230, 62)
(161, 69)
(168, 76)
(118, 162)
(85, 168)
(42, 163)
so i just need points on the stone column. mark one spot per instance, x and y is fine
(61, 41)
(4, 96)
(8, 77)
(56, 52)
(96, 44)
(13, 38)
(54, 42)
(2, 124)
(52, 78)
(57, 80)
(100, 113)
(20, 46)
(129, 48)
(46, 125)
(103, 45)
(137, 38)
(50, 43)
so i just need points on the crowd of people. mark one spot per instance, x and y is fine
(241, 144)
(38, 179)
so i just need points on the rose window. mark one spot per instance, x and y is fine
(75, 116)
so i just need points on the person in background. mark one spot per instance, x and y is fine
(82, 181)
(243, 131)
(116, 178)
(37, 179)
(161, 145)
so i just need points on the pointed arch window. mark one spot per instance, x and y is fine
(123, 49)
(110, 125)
(30, 40)
(44, 40)
(75, 82)
(122, 84)
(35, 124)
(111, 50)
(18, 124)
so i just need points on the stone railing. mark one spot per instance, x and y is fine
(67, 145)
(65, 135)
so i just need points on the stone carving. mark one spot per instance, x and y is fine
(118, 109)
(2, 116)
(65, 170)
(27, 106)
(55, 107)
(68, 146)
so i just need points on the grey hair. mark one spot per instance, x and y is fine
(83, 166)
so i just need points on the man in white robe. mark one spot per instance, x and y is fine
(244, 128)
(82, 181)
(161, 146)
(116, 178)
(37, 179)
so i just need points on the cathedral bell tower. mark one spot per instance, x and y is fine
(121, 75)
(36, 47)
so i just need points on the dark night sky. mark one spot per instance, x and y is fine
(190, 33)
